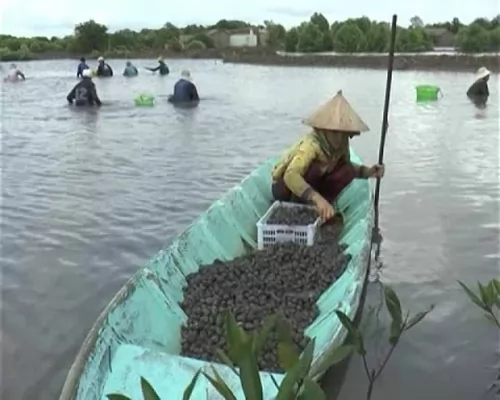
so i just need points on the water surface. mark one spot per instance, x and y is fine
(89, 196)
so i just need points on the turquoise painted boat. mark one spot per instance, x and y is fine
(138, 334)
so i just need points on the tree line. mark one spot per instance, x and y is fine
(315, 35)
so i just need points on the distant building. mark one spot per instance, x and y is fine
(245, 37)
(443, 38)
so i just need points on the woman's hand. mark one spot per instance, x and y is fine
(324, 208)
(376, 171)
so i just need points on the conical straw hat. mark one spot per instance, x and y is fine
(336, 115)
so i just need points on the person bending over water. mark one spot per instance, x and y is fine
(184, 90)
(162, 68)
(103, 68)
(318, 168)
(81, 67)
(130, 70)
(84, 93)
(14, 74)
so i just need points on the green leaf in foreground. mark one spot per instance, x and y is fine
(312, 391)
(189, 389)
(417, 318)
(299, 372)
(393, 305)
(288, 356)
(353, 332)
(116, 396)
(249, 373)
(472, 296)
(234, 336)
(219, 384)
(260, 336)
(147, 390)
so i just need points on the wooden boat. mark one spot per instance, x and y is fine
(138, 333)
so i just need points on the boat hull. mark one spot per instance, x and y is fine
(138, 333)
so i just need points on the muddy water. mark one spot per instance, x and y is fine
(87, 197)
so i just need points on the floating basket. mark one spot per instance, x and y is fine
(144, 100)
(268, 235)
(427, 92)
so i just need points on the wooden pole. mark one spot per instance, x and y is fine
(386, 110)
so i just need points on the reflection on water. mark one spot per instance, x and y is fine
(88, 196)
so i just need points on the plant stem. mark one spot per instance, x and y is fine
(367, 370)
(370, 390)
(384, 363)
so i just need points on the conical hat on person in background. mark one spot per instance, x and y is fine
(336, 115)
(481, 73)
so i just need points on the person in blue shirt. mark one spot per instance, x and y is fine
(184, 90)
(130, 70)
(83, 65)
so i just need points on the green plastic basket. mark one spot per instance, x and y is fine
(427, 92)
(144, 100)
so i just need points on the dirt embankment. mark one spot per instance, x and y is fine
(449, 62)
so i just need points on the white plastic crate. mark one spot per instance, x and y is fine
(267, 235)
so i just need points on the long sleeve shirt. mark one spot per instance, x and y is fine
(296, 162)
(80, 69)
(84, 93)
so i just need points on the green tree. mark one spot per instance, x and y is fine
(414, 40)
(276, 34)
(455, 26)
(473, 38)
(207, 41)
(196, 45)
(292, 40)
(320, 21)
(363, 23)
(495, 39)
(91, 36)
(349, 38)
(310, 38)
(377, 38)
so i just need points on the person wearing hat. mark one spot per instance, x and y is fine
(103, 68)
(130, 70)
(318, 167)
(84, 93)
(162, 68)
(480, 86)
(184, 90)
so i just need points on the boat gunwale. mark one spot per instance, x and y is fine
(74, 374)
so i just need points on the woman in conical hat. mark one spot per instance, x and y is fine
(480, 85)
(318, 168)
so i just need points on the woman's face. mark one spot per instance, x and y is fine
(337, 138)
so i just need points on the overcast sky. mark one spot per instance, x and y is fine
(58, 17)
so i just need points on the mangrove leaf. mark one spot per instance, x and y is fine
(147, 390)
(189, 389)
(353, 332)
(472, 296)
(312, 391)
(219, 384)
(393, 306)
(249, 372)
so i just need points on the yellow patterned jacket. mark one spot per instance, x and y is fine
(312, 147)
